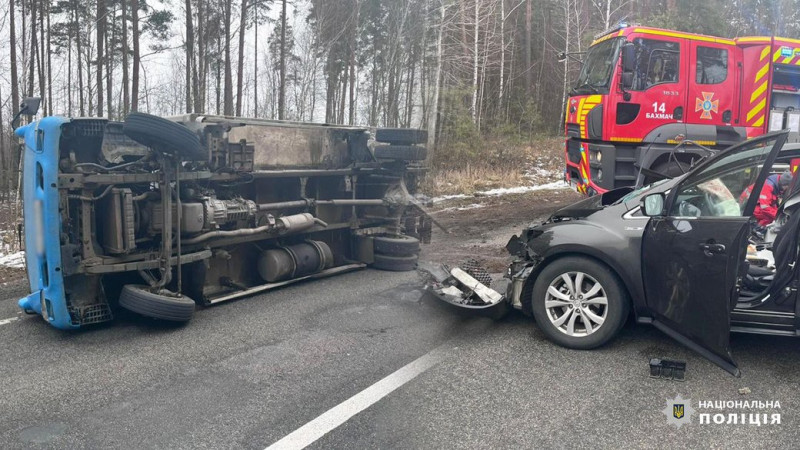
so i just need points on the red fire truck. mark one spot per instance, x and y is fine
(650, 102)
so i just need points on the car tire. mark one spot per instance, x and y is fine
(137, 298)
(396, 245)
(395, 263)
(164, 135)
(401, 136)
(552, 318)
(401, 152)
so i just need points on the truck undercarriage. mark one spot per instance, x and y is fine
(161, 214)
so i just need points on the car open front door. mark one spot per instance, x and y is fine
(693, 252)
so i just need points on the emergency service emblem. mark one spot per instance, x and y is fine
(679, 411)
(707, 104)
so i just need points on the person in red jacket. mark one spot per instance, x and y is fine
(770, 197)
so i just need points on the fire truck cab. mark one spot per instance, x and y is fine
(645, 96)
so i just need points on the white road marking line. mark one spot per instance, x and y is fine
(341, 413)
(7, 321)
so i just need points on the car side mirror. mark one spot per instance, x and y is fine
(627, 80)
(628, 57)
(653, 205)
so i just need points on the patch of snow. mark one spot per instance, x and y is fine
(448, 197)
(463, 208)
(15, 260)
(540, 172)
(561, 184)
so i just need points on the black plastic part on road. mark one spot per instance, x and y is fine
(164, 135)
(401, 136)
(395, 263)
(396, 245)
(404, 152)
(139, 299)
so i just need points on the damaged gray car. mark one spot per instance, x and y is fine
(681, 254)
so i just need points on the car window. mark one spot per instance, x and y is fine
(657, 62)
(712, 65)
(723, 188)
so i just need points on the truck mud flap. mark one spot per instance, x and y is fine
(466, 288)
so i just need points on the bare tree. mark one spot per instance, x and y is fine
(126, 99)
(136, 55)
(282, 69)
(240, 65)
(189, 53)
(101, 21)
(228, 86)
(13, 51)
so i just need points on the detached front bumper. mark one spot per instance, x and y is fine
(470, 287)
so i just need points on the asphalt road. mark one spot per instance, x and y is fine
(247, 373)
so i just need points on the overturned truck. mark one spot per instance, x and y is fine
(158, 215)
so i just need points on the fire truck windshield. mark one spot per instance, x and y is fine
(598, 67)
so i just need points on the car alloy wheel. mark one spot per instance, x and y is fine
(576, 304)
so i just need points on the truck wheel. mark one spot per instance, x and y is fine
(164, 135)
(396, 245)
(139, 299)
(401, 136)
(395, 263)
(404, 152)
(579, 303)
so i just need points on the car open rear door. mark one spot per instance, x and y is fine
(693, 253)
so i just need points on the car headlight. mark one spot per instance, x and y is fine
(599, 156)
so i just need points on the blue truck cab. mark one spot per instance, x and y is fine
(42, 222)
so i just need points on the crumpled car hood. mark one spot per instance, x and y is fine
(588, 206)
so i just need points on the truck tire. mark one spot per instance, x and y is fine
(395, 263)
(402, 152)
(164, 135)
(139, 299)
(396, 245)
(401, 136)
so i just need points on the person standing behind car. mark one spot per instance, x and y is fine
(769, 199)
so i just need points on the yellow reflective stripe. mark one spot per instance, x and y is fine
(759, 90)
(761, 72)
(757, 109)
(764, 53)
(625, 139)
(753, 39)
(706, 143)
(606, 37)
(791, 41)
(694, 37)
(777, 55)
(759, 122)
(788, 59)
